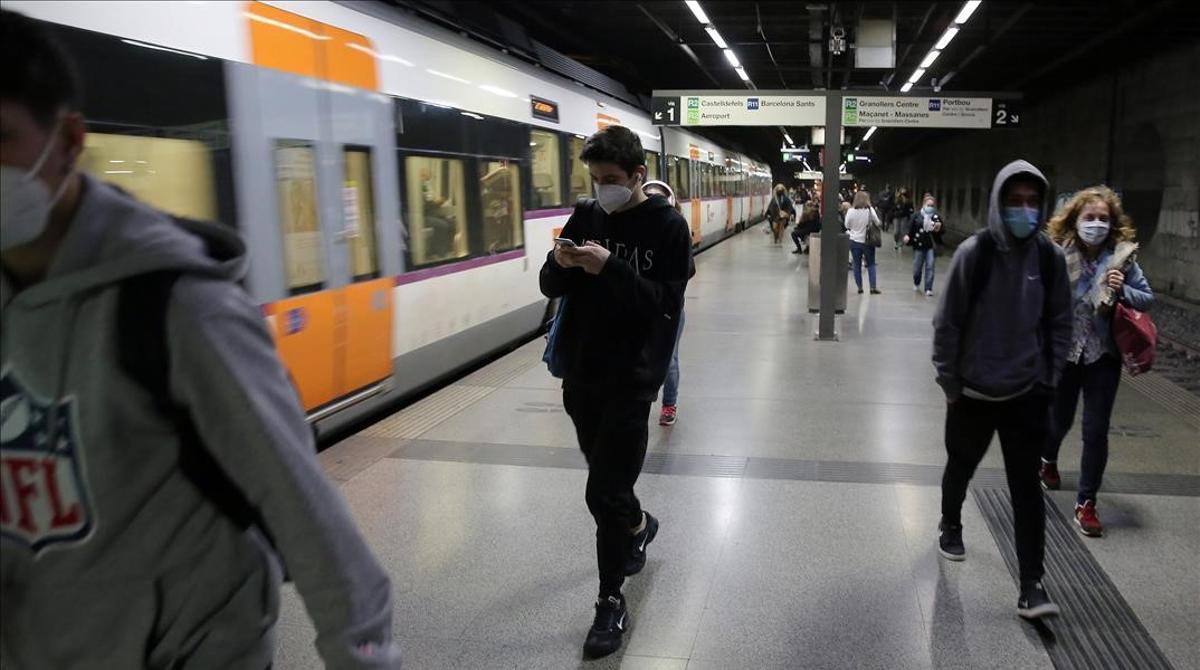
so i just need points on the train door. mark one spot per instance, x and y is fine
(314, 156)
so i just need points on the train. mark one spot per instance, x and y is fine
(397, 184)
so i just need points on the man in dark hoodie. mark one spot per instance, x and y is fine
(146, 526)
(1000, 342)
(623, 282)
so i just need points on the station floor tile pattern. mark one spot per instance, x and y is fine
(480, 519)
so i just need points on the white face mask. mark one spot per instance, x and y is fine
(26, 201)
(612, 196)
(1092, 231)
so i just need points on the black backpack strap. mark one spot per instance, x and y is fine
(143, 354)
(981, 272)
(1049, 274)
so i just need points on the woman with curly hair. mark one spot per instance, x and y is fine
(1097, 237)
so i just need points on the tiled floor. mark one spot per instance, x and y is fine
(491, 548)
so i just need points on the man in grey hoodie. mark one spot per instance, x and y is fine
(118, 550)
(1000, 342)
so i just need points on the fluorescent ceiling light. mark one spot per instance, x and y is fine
(906, 88)
(447, 76)
(716, 37)
(967, 10)
(742, 73)
(498, 91)
(158, 48)
(732, 58)
(697, 11)
(869, 134)
(946, 37)
(929, 58)
(916, 75)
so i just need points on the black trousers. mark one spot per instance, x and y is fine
(1023, 423)
(612, 433)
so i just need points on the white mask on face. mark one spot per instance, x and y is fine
(1092, 231)
(26, 200)
(612, 196)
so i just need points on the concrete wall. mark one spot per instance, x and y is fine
(1137, 129)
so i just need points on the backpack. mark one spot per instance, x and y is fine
(143, 354)
(985, 249)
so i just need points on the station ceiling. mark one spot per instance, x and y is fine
(637, 47)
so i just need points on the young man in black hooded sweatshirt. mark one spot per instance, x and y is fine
(623, 282)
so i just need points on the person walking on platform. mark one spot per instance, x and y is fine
(670, 389)
(779, 211)
(902, 212)
(924, 234)
(623, 277)
(1000, 340)
(886, 202)
(858, 220)
(159, 476)
(1097, 236)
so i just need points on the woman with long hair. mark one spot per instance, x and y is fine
(779, 211)
(1097, 237)
(924, 234)
(858, 218)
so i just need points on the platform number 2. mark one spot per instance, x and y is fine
(1001, 117)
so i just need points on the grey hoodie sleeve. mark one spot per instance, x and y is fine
(950, 320)
(225, 371)
(1061, 319)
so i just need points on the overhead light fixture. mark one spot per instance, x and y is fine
(697, 11)
(732, 58)
(716, 37)
(967, 10)
(788, 138)
(929, 58)
(946, 37)
(870, 132)
(916, 75)
(906, 88)
(741, 72)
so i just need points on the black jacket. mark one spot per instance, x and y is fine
(778, 207)
(618, 327)
(918, 237)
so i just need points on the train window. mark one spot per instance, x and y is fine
(683, 178)
(437, 209)
(547, 179)
(296, 180)
(580, 179)
(499, 196)
(358, 209)
(174, 175)
(652, 166)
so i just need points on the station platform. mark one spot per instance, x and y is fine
(799, 502)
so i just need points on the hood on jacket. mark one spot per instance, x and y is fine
(1018, 168)
(113, 237)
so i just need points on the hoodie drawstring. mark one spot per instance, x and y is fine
(60, 384)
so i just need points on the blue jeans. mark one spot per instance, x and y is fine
(923, 257)
(1098, 382)
(671, 386)
(857, 251)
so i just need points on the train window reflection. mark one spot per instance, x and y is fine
(358, 211)
(437, 210)
(652, 165)
(547, 182)
(295, 179)
(174, 175)
(499, 194)
(580, 180)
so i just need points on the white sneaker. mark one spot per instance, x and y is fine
(929, 294)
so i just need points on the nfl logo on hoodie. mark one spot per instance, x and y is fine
(43, 497)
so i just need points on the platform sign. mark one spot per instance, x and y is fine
(739, 110)
(1006, 114)
(916, 112)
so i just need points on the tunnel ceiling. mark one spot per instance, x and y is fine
(637, 47)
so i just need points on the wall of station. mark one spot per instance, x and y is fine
(1141, 120)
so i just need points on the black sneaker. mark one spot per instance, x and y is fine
(950, 542)
(612, 620)
(1034, 603)
(637, 553)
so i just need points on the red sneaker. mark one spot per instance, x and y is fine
(1086, 519)
(667, 418)
(1049, 476)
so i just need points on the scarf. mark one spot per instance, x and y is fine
(1099, 294)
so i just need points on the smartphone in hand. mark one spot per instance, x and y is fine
(565, 242)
